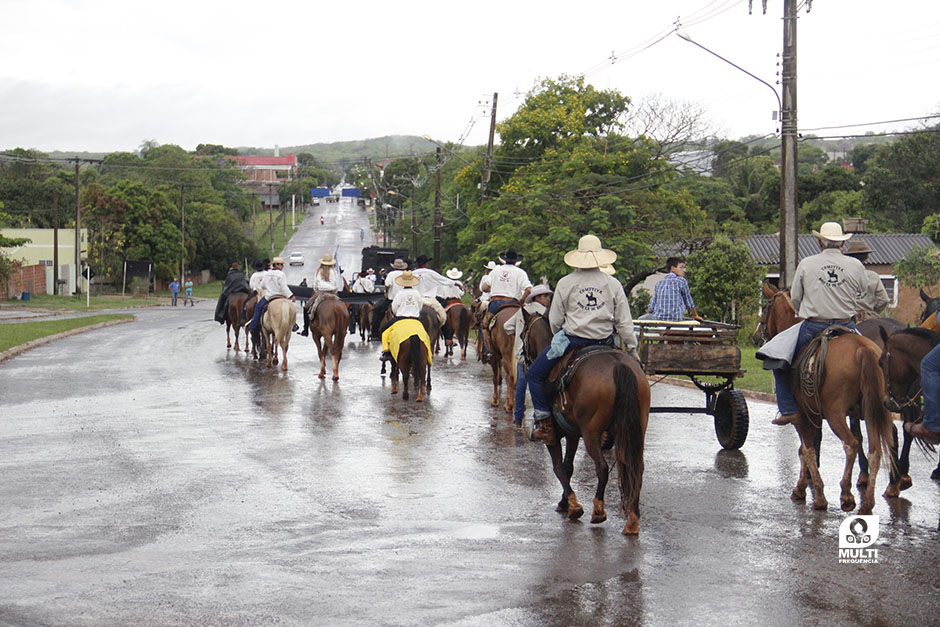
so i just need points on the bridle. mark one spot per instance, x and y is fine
(526, 331)
(912, 399)
(765, 317)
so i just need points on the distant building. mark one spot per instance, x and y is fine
(259, 169)
(39, 252)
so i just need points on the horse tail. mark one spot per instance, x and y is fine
(872, 384)
(629, 433)
(464, 326)
(417, 363)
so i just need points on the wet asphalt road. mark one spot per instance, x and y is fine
(152, 477)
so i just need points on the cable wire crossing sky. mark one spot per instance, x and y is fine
(106, 75)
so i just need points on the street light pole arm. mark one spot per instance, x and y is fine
(735, 65)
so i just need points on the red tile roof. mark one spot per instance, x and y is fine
(286, 160)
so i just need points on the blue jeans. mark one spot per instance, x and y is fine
(188, 299)
(786, 402)
(519, 410)
(930, 383)
(256, 318)
(542, 366)
(175, 294)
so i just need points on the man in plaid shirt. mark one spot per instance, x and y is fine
(671, 297)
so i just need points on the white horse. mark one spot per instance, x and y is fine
(277, 324)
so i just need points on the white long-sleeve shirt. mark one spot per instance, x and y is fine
(407, 303)
(332, 284)
(274, 283)
(432, 282)
(592, 305)
(508, 281)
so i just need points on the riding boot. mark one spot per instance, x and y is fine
(545, 432)
(306, 330)
(784, 419)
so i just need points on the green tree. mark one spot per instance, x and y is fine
(724, 280)
(917, 269)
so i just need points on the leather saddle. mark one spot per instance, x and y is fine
(809, 368)
(561, 376)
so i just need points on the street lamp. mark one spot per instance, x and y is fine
(788, 135)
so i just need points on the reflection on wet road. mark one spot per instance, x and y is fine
(150, 476)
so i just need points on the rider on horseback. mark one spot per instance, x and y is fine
(273, 283)
(821, 301)
(508, 284)
(875, 298)
(391, 289)
(326, 281)
(580, 321)
(407, 304)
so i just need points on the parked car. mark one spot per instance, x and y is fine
(296, 259)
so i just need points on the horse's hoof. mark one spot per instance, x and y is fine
(820, 504)
(598, 518)
(420, 399)
(632, 528)
(576, 513)
(906, 482)
(336, 378)
(866, 509)
(321, 376)
(798, 495)
(862, 480)
(562, 507)
(892, 492)
(935, 475)
(848, 504)
(494, 404)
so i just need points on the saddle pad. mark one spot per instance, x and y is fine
(559, 384)
(401, 331)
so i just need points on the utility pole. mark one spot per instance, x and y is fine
(414, 228)
(788, 135)
(78, 234)
(271, 215)
(182, 235)
(437, 213)
(489, 151)
(55, 242)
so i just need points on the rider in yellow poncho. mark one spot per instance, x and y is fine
(405, 307)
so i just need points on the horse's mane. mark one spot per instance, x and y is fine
(925, 334)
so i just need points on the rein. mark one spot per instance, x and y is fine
(912, 399)
(526, 331)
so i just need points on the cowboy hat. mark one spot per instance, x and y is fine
(421, 260)
(490, 265)
(327, 260)
(370, 271)
(589, 254)
(831, 231)
(608, 269)
(398, 264)
(278, 260)
(407, 279)
(538, 290)
(454, 274)
(510, 257)
(857, 247)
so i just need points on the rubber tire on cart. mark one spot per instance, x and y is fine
(731, 419)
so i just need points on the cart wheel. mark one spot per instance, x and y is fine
(731, 419)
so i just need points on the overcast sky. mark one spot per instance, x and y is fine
(105, 75)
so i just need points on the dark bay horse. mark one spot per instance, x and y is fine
(900, 362)
(854, 383)
(432, 324)
(365, 322)
(233, 319)
(458, 317)
(413, 360)
(256, 348)
(328, 331)
(608, 395)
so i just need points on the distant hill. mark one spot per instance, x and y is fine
(341, 153)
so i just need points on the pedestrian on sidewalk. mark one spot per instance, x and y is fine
(189, 292)
(175, 289)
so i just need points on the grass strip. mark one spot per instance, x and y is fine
(17, 333)
(77, 303)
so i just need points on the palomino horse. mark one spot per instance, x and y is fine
(900, 362)
(458, 317)
(501, 357)
(328, 330)
(608, 395)
(412, 361)
(236, 302)
(853, 383)
(276, 325)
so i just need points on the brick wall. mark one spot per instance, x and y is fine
(27, 279)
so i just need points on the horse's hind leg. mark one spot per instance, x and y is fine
(850, 446)
(284, 344)
(569, 502)
(394, 377)
(228, 340)
(592, 445)
(856, 426)
(807, 433)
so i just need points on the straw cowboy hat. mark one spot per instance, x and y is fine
(608, 269)
(857, 247)
(278, 260)
(454, 274)
(831, 231)
(398, 264)
(490, 265)
(407, 279)
(327, 260)
(538, 290)
(589, 254)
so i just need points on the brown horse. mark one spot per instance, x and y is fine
(236, 303)
(854, 383)
(500, 345)
(328, 330)
(365, 322)
(458, 317)
(276, 324)
(255, 338)
(432, 324)
(608, 395)
(412, 361)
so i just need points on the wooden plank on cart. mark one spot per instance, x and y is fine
(662, 358)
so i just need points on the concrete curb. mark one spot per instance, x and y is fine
(756, 396)
(22, 348)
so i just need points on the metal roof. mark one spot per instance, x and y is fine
(887, 248)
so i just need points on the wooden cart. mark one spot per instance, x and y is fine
(694, 349)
